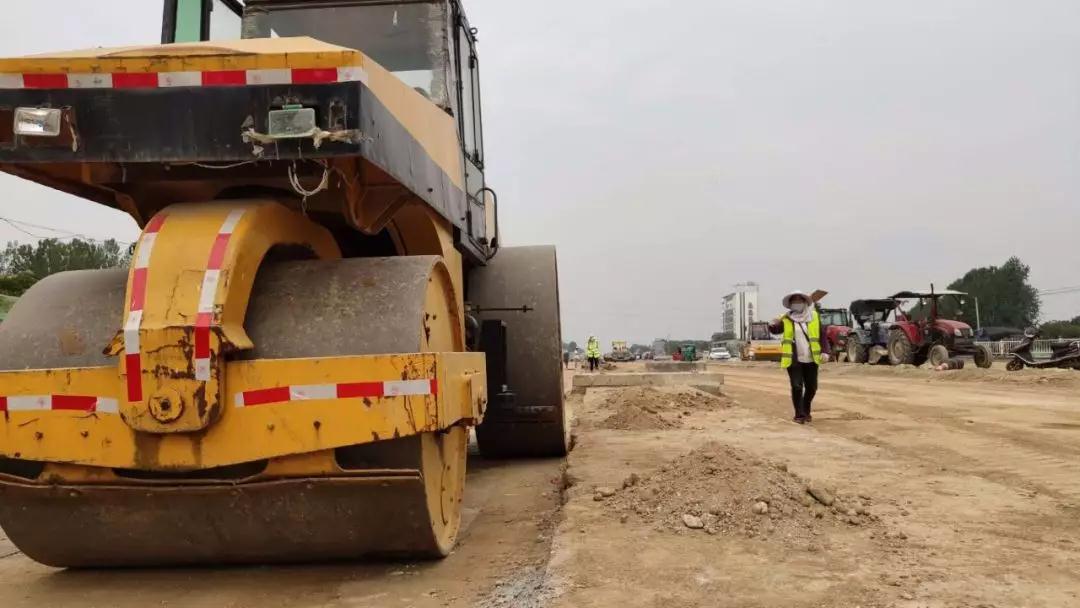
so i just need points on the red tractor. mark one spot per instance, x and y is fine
(931, 338)
(835, 325)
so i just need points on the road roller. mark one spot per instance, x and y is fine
(317, 312)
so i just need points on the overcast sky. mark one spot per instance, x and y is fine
(672, 149)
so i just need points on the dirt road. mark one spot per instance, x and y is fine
(947, 490)
(969, 481)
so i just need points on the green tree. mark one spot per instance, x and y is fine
(723, 336)
(22, 264)
(1005, 297)
(1061, 329)
(16, 284)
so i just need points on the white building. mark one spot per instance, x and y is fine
(740, 310)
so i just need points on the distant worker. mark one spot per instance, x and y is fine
(566, 359)
(802, 350)
(592, 351)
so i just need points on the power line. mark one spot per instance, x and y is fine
(66, 234)
(1060, 291)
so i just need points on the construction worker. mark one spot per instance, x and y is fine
(802, 350)
(592, 351)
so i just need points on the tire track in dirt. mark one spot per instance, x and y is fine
(940, 432)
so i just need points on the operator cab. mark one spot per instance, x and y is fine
(428, 44)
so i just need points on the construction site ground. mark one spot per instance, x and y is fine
(929, 489)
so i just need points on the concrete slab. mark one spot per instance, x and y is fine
(675, 366)
(709, 382)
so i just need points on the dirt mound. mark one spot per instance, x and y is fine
(649, 409)
(725, 491)
(653, 399)
(631, 418)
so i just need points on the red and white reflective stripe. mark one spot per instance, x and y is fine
(345, 390)
(204, 317)
(44, 403)
(140, 266)
(209, 78)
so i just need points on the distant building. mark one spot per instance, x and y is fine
(659, 348)
(740, 310)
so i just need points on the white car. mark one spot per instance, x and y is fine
(719, 354)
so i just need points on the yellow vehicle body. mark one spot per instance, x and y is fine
(259, 386)
(763, 350)
(762, 346)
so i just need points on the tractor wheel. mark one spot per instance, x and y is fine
(900, 350)
(1014, 364)
(984, 358)
(856, 350)
(938, 355)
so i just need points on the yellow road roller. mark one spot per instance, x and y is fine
(316, 313)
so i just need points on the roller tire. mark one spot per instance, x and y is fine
(540, 425)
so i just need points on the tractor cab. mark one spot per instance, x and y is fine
(831, 317)
(932, 311)
(868, 313)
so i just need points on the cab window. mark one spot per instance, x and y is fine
(469, 85)
(196, 20)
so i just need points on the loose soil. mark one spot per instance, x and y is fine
(966, 481)
(731, 491)
(649, 408)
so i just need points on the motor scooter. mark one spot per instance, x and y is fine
(1064, 355)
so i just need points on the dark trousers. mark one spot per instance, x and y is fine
(594, 362)
(803, 378)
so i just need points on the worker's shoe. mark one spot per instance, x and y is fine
(799, 420)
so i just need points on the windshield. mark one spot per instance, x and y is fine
(948, 307)
(760, 331)
(407, 38)
(834, 317)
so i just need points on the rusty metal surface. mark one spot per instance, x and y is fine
(296, 520)
(537, 424)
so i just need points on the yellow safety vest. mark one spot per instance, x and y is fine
(787, 347)
(592, 349)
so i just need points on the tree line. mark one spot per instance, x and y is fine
(23, 264)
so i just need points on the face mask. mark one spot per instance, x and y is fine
(798, 306)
